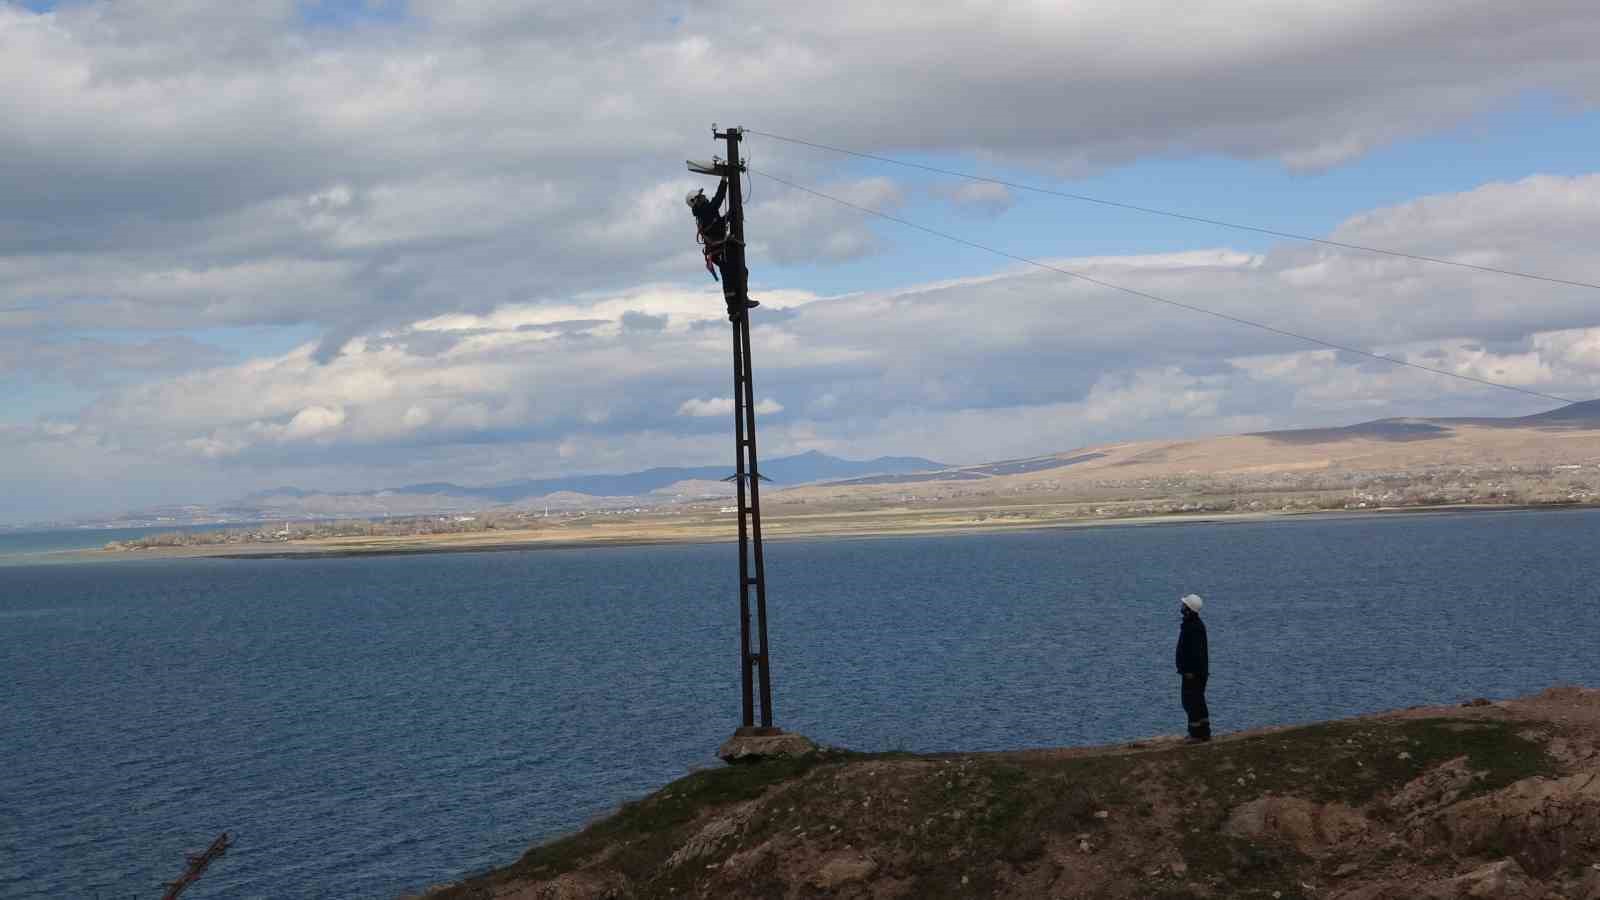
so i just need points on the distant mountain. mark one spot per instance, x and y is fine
(978, 472)
(1378, 429)
(1574, 415)
(1483, 451)
(1582, 415)
(785, 471)
(278, 492)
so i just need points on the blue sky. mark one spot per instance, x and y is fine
(355, 244)
(342, 14)
(1533, 133)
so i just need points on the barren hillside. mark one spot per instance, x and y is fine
(1552, 457)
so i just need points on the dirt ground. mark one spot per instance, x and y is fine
(1481, 800)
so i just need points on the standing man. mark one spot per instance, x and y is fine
(1194, 666)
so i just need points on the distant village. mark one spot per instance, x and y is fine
(286, 531)
(1039, 500)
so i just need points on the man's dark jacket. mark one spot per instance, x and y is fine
(1192, 654)
(713, 227)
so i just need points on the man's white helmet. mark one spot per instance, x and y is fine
(689, 197)
(1193, 601)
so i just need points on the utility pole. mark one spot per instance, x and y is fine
(747, 467)
(754, 668)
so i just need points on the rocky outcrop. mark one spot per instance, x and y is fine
(1546, 823)
(842, 868)
(709, 838)
(1312, 828)
(1503, 880)
(1433, 790)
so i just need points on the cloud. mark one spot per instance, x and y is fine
(715, 406)
(723, 407)
(797, 227)
(502, 280)
(632, 320)
(196, 162)
(934, 369)
(980, 197)
(313, 421)
(95, 363)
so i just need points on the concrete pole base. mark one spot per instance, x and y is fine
(756, 744)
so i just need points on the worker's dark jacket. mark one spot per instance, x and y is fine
(1192, 654)
(713, 227)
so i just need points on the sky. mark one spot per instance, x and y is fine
(361, 244)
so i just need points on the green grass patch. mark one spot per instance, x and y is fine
(1010, 811)
(643, 834)
(1353, 762)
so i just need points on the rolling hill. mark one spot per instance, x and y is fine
(1547, 457)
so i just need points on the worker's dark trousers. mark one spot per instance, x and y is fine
(1194, 706)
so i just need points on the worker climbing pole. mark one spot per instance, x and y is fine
(722, 238)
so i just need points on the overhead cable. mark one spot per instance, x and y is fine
(1177, 215)
(1149, 296)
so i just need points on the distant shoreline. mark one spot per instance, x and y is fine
(777, 528)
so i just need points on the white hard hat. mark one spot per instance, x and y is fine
(689, 197)
(1192, 601)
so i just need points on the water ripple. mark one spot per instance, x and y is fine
(366, 727)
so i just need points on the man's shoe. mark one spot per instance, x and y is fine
(1192, 739)
(751, 304)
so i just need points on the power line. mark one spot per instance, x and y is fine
(1177, 215)
(1149, 296)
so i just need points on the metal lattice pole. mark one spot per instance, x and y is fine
(747, 471)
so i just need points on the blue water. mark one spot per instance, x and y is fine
(370, 726)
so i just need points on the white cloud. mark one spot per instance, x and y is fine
(723, 406)
(506, 267)
(714, 406)
(89, 362)
(313, 421)
(982, 197)
(933, 369)
(203, 162)
(798, 227)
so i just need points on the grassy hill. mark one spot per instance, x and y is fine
(1482, 800)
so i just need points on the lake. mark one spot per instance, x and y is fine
(369, 726)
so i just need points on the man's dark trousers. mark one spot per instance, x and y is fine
(1194, 706)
